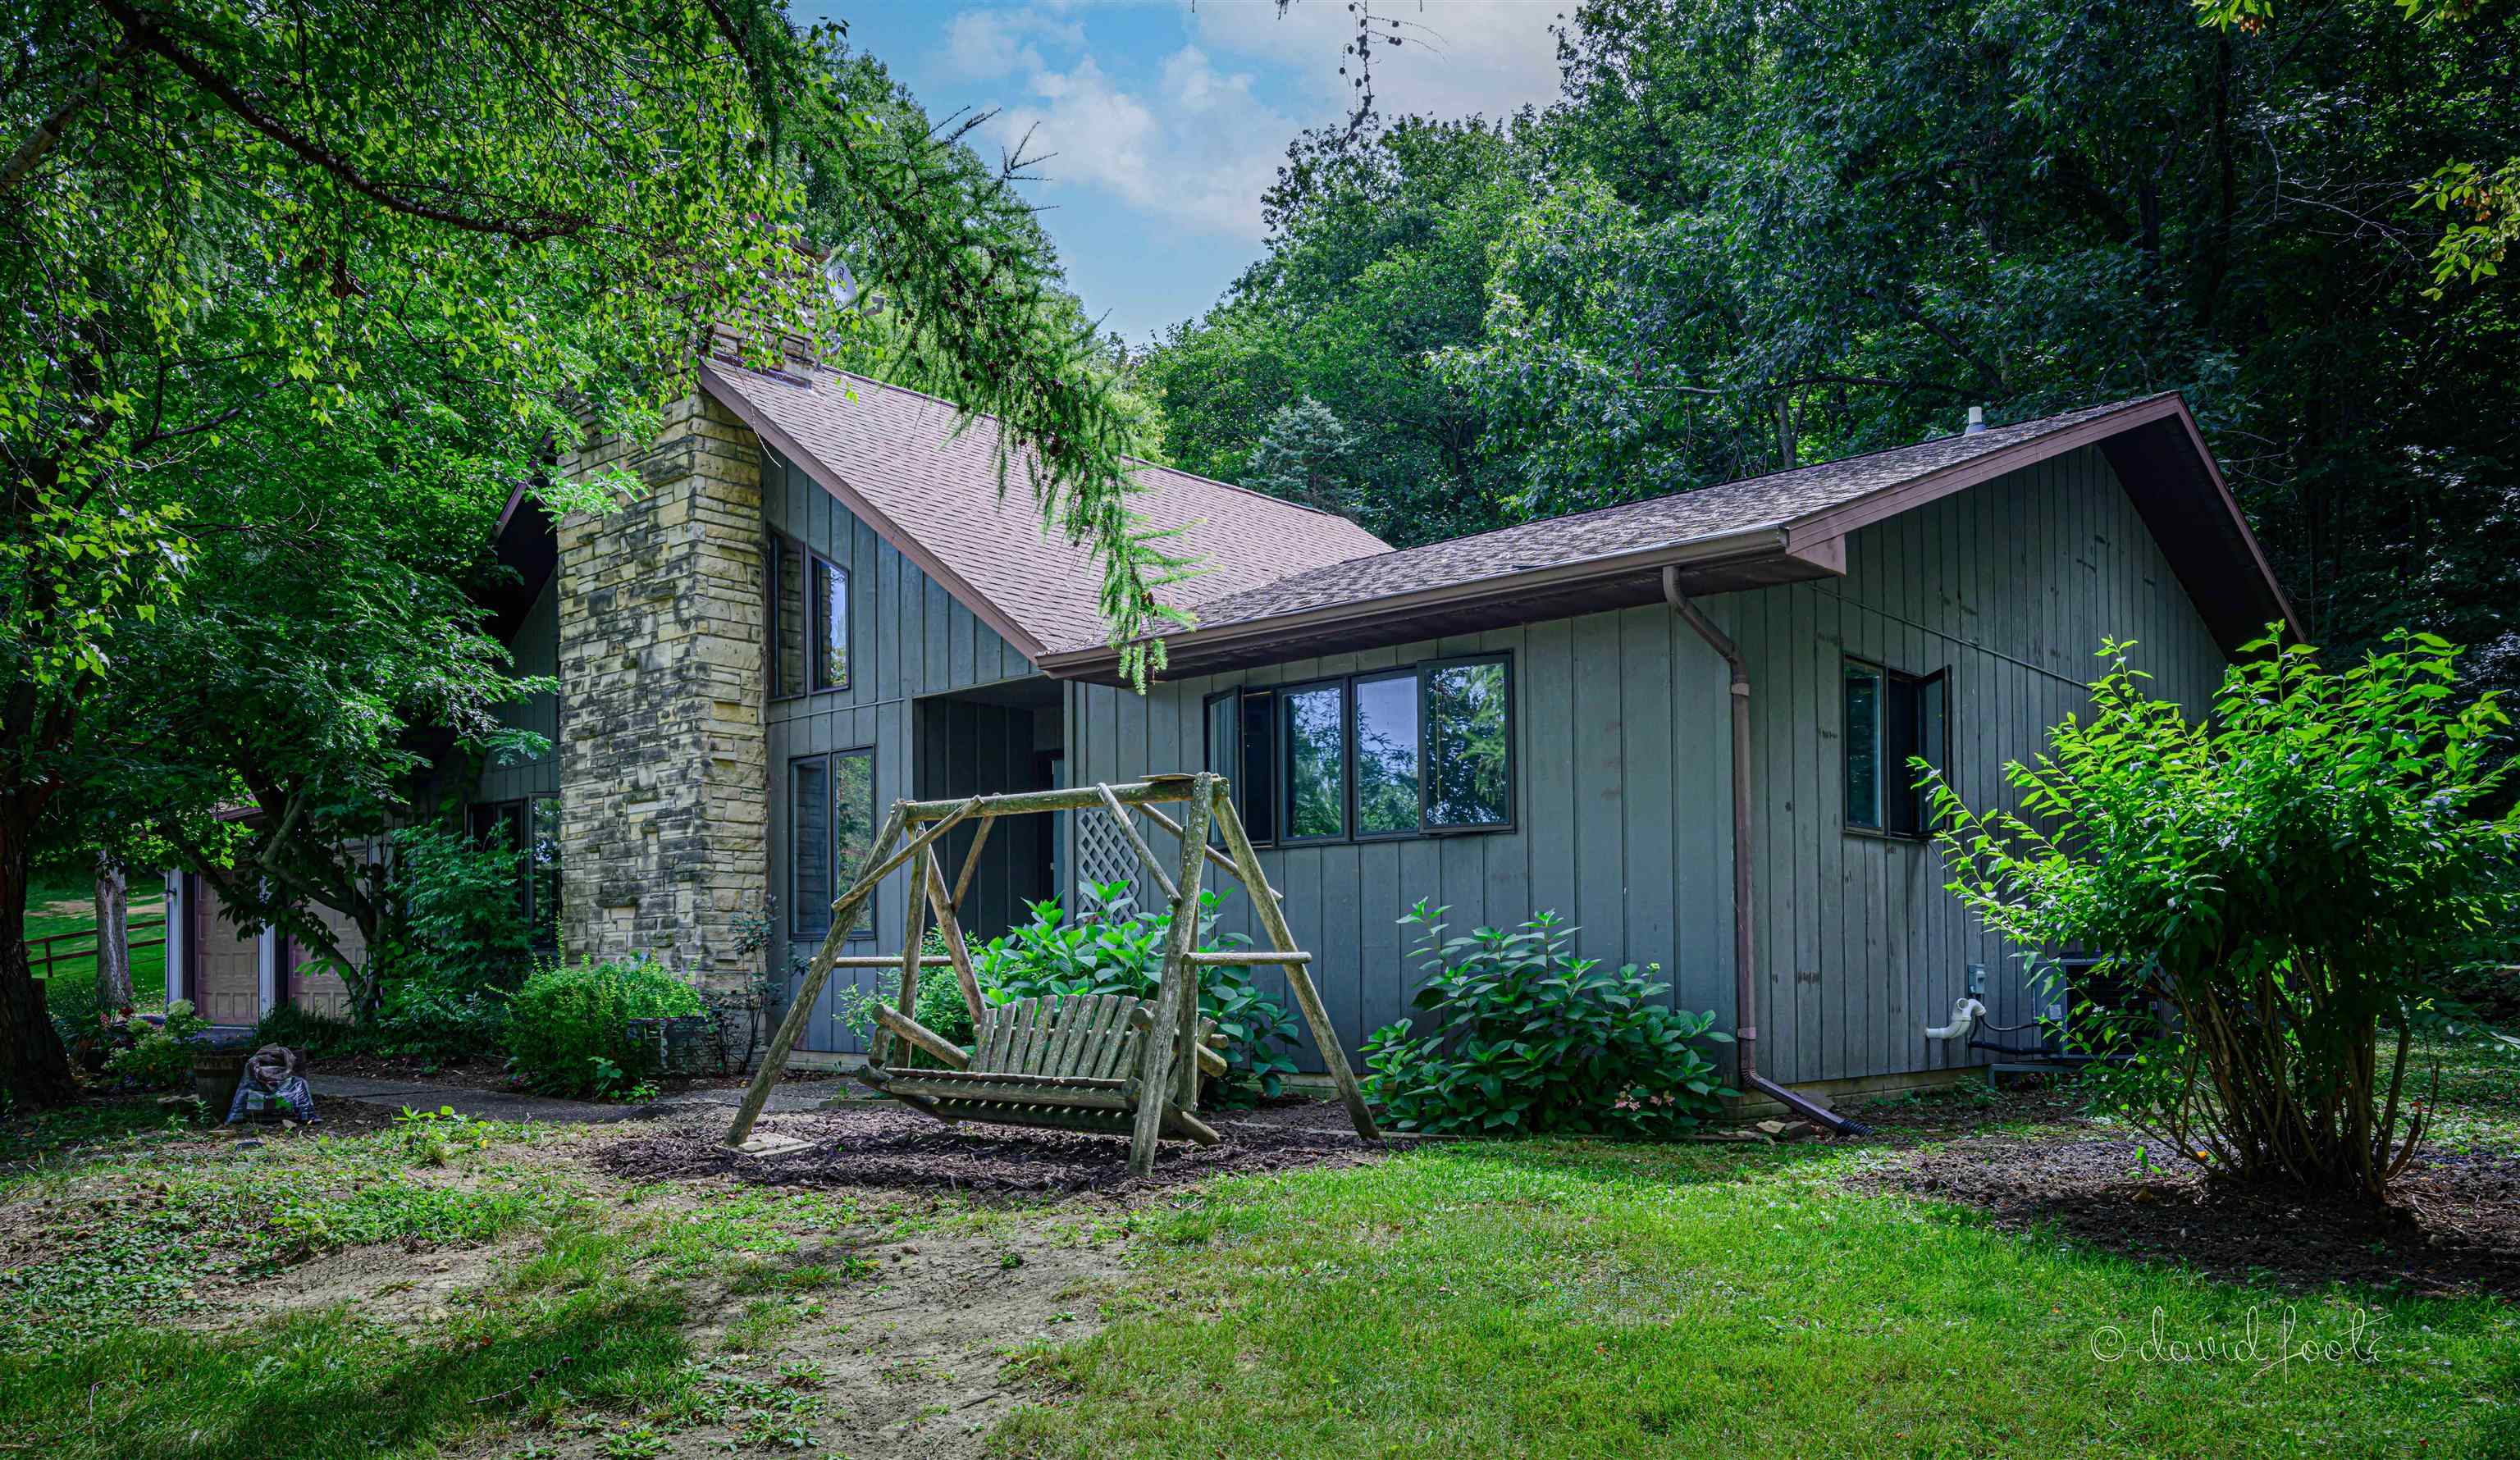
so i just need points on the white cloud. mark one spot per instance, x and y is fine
(990, 43)
(1194, 143)
(1195, 148)
(1456, 57)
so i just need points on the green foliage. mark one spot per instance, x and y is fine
(1306, 456)
(1527, 1037)
(2284, 879)
(1378, 258)
(1749, 237)
(162, 1058)
(565, 1032)
(939, 1006)
(1118, 948)
(459, 927)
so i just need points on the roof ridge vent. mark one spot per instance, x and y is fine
(1976, 421)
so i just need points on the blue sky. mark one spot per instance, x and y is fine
(1167, 118)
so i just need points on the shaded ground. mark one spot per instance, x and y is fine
(887, 1147)
(2452, 1228)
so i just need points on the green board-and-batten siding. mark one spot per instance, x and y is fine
(1623, 822)
(908, 637)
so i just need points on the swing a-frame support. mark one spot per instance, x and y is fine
(1090, 1063)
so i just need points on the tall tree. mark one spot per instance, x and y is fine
(442, 233)
(1378, 258)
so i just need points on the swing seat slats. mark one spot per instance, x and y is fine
(1065, 1062)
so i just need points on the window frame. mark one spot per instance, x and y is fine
(1283, 788)
(827, 758)
(1356, 831)
(780, 545)
(1513, 821)
(817, 618)
(1883, 787)
(1281, 756)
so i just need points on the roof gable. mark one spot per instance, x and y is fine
(921, 473)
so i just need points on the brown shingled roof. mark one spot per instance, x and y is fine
(1783, 528)
(893, 458)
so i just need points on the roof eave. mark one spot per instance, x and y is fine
(1401, 617)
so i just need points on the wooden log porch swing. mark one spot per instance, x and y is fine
(1086, 1063)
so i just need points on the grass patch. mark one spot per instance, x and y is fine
(57, 903)
(570, 1329)
(2479, 1110)
(1565, 1299)
(130, 1239)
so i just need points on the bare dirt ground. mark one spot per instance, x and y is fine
(889, 1148)
(2452, 1225)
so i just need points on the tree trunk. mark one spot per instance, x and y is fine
(35, 1069)
(112, 935)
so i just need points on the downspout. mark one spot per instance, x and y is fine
(1745, 995)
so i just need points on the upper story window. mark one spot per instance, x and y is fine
(1422, 751)
(1891, 718)
(808, 621)
(831, 625)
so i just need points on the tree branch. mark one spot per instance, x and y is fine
(144, 33)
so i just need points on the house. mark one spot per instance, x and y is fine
(823, 603)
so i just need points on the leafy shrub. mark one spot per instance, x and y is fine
(459, 927)
(939, 1004)
(2486, 989)
(162, 1058)
(1118, 947)
(566, 1034)
(2284, 879)
(1527, 1036)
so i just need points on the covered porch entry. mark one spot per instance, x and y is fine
(989, 741)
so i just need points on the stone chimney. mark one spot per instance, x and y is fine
(665, 791)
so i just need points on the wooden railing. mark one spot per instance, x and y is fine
(45, 954)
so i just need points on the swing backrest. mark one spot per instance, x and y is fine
(1087, 1035)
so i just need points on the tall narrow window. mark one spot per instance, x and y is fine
(831, 627)
(1314, 727)
(1892, 721)
(853, 825)
(1260, 765)
(542, 873)
(1386, 755)
(831, 830)
(1863, 695)
(786, 617)
(1469, 744)
(809, 846)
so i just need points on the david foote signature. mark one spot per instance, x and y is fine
(2271, 1345)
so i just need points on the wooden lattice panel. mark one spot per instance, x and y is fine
(1103, 854)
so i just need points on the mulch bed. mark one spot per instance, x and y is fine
(891, 1148)
(2451, 1226)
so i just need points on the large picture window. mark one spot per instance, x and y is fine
(1890, 719)
(1420, 751)
(831, 830)
(808, 621)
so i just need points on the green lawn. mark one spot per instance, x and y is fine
(1580, 1301)
(1559, 1298)
(66, 905)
